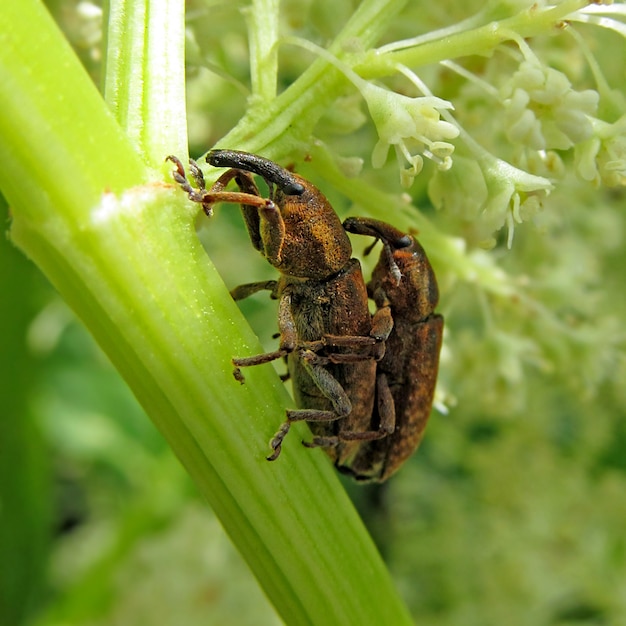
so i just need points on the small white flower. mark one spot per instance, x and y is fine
(514, 195)
(413, 126)
(602, 158)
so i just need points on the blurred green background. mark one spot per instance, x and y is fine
(512, 512)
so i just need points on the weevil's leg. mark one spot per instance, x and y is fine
(250, 213)
(387, 421)
(299, 415)
(386, 405)
(386, 415)
(180, 168)
(257, 359)
(286, 323)
(382, 325)
(221, 183)
(235, 197)
(179, 173)
(246, 185)
(327, 384)
(276, 442)
(286, 376)
(248, 196)
(287, 328)
(341, 341)
(330, 387)
(375, 351)
(322, 442)
(243, 291)
(258, 210)
(357, 343)
(250, 202)
(346, 359)
(274, 227)
(216, 194)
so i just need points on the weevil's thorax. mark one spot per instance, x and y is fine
(316, 244)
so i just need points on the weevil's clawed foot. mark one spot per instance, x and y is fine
(239, 376)
(179, 173)
(195, 195)
(197, 174)
(275, 454)
(277, 441)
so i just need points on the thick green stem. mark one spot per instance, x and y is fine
(262, 18)
(120, 247)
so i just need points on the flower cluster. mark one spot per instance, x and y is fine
(543, 112)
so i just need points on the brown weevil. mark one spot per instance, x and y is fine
(403, 282)
(327, 333)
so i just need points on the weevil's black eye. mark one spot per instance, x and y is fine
(292, 189)
(402, 242)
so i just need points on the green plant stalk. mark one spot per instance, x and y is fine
(141, 59)
(120, 247)
(262, 19)
(530, 23)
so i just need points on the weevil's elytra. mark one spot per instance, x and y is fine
(408, 370)
(326, 331)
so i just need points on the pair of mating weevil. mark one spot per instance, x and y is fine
(363, 382)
